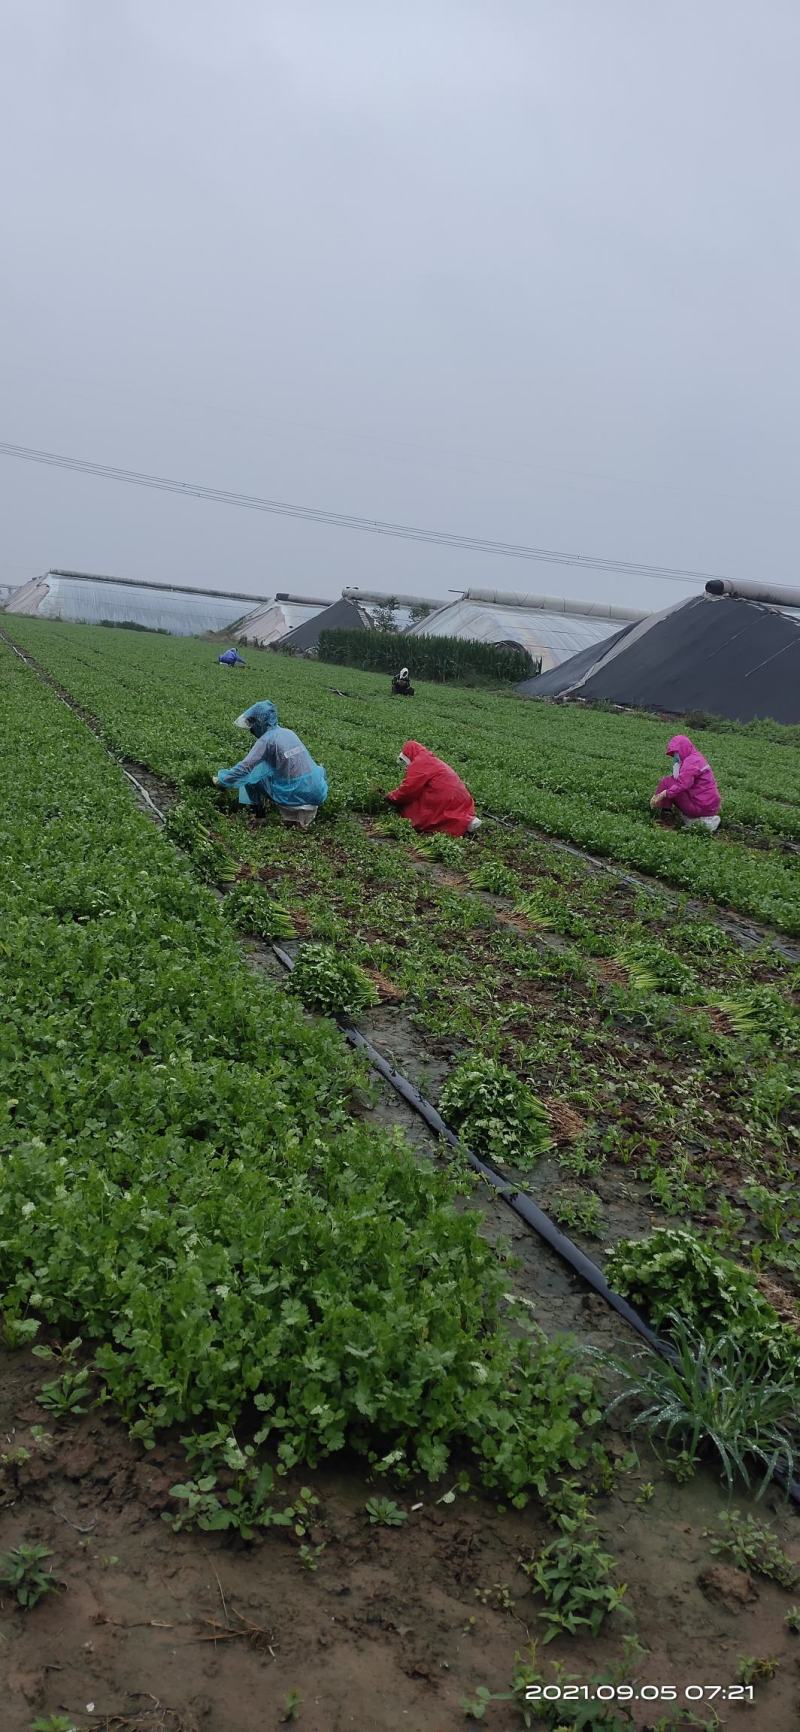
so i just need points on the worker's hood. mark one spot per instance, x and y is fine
(680, 746)
(259, 718)
(412, 749)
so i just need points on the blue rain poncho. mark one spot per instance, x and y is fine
(277, 766)
(231, 659)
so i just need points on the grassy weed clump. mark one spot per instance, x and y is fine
(719, 1398)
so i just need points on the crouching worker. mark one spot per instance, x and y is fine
(691, 787)
(431, 796)
(277, 768)
(401, 685)
(231, 659)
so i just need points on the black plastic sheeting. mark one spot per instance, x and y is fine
(340, 616)
(551, 684)
(731, 658)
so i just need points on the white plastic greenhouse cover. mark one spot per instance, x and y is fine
(90, 600)
(272, 621)
(551, 637)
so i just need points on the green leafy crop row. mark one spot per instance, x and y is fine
(672, 1271)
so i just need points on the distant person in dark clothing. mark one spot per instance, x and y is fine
(231, 659)
(401, 685)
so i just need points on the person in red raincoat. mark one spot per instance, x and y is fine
(431, 796)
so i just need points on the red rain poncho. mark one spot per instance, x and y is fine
(694, 790)
(431, 796)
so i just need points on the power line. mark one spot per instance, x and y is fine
(342, 520)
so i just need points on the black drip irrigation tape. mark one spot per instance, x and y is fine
(517, 1200)
(143, 792)
(521, 1203)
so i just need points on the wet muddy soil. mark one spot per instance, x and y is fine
(394, 1628)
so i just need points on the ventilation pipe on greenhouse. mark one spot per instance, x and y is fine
(769, 593)
(383, 599)
(555, 604)
(301, 600)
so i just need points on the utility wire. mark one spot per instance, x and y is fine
(341, 520)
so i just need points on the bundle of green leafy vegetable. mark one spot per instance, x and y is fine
(673, 1272)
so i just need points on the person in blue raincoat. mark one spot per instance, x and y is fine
(277, 768)
(231, 659)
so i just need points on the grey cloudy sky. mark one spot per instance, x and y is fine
(525, 269)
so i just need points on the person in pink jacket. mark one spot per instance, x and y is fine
(691, 786)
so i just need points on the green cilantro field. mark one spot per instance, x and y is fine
(217, 1238)
(667, 1050)
(584, 776)
(183, 1182)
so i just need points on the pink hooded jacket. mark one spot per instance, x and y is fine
(694, 790)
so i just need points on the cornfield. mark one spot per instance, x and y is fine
(430, 658)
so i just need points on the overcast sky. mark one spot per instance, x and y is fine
(521, 269)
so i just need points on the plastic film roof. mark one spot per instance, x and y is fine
(90, 600)
(265, 625)
(551, 637)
